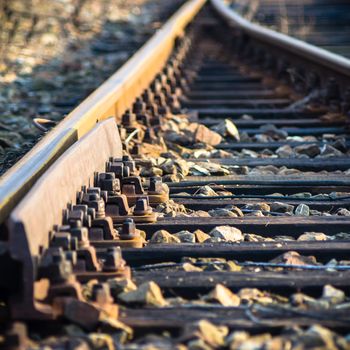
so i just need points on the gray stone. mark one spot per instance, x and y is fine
(221, 212)
(185, 236)
(343, 212)
(273, 131)
(214, 240)
(251, 237)
(147, 293)
(333, 295)
(284, 151)
(301, 195)
(257, 206)
(342, 235)
(310, 150)
(163, 236)
(206, 191)
(302, 210)
(235, 210)
(255, 213)
(227, 233)
(227, 129)
(313, 236)
(280, 207)
(282, 238)
(329, 151)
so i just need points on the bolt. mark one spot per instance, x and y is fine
(80, 233)
(129, 230)
(174, 103)
(75, 215)
(156, 86)
(72, 257)
(148, 97)
(93, 200)
(113, 260)
(94, 190)
(139, 107)
(136, 149)
(149, 135)
(101, 294)
(332, 90)
(108, 182)
(141, 207)
(128, 119)
(155, 185)
(129, 163)
(61, 239)
(59, 269)
(116, 168)
(87, 215)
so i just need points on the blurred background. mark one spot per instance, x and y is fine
(54, 53)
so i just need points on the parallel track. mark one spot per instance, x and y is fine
(279, 187)
(321, 23)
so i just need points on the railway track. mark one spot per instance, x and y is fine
(198, 199)
(318, 22)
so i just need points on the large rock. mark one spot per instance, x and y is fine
(185, 236)
(147, 293)
(294, 258)
(120, 285)
(302, 210)
(257, 206)
(163, 236)
(284, 151)
(343, 212)
(280, 207)
(227, 129)
(313, 236)
(332, 295)
(329, 151)
(201, 236)
(223, 296)
(222, 212)
(206, 191)
(210, 334)
(227, 233)
(310, 150)
(203, 134)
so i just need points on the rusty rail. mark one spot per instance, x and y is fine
(185, 119)
(292, 45)
(109, 100)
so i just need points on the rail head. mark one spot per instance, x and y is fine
(111, 99)
(319, 56)
(32, 219)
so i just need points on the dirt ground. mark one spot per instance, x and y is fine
(54, 53)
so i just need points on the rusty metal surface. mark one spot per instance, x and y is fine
(109, 100)
(41, 208)
(320, 56)
(163, 202)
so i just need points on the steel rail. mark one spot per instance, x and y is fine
(41, 207)
(111, 99)
(292, 45)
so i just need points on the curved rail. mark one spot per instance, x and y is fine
(295, 46)
(109, 100)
